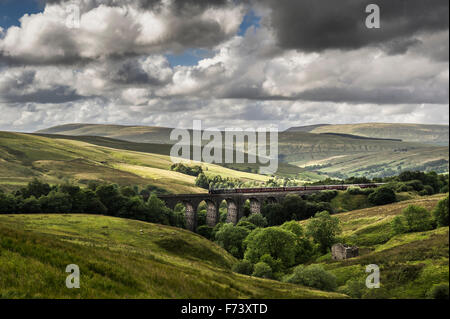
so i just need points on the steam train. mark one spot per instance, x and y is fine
(291, 189)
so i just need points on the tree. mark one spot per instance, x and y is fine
(382, 196)
(30, 206)
(134, 208)
(202, 181)
(303, 246)
(7, 204)
(35, 188)
(256, 219)
(294, 227)
(417, 219)
(128, 191)
(157, 212)
(294, 208)
(440, 213)
(323, 228)
(56, 203)
(274, 214)
(93, 205)
(231, 238)
(110, 197)
(246, 224)
(274, 241)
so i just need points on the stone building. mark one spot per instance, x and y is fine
(342, 252)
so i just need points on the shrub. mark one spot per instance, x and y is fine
(314, 276)
(440, 213)
(262, 270)
(440, 291)
(354, 288)
(428, 189)
(398, 225)
(323, 229)
(243, 267)
(423, 193)
(417, 219)
(382, 196)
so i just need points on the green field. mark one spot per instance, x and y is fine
(121, 258)
(410, 264)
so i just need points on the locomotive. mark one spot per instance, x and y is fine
(291, 189)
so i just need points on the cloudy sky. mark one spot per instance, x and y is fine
(228, 62)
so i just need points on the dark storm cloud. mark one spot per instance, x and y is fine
(312, 25)
(131, 73)
(57, 94)
(376, 96)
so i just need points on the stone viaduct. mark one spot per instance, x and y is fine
(235, 204)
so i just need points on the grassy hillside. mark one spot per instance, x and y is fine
(121, 258)
(284, 169)
(23, 157)
(341, 154)
(410, 264)
(431, 134)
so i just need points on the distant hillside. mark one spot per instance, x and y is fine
(121, 258)
(138, 134)
(307, 128)
(342, 153)
(421, 133)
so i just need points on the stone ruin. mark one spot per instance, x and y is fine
(342, 252)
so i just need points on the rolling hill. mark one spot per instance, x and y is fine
(137, 134)
(25, 156)
(420, 133)
(121, 258)
(337, 153)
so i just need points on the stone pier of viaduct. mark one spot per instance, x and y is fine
(235, 205)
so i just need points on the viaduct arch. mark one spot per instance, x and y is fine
(235, 205)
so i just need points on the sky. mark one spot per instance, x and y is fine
(229, 63)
